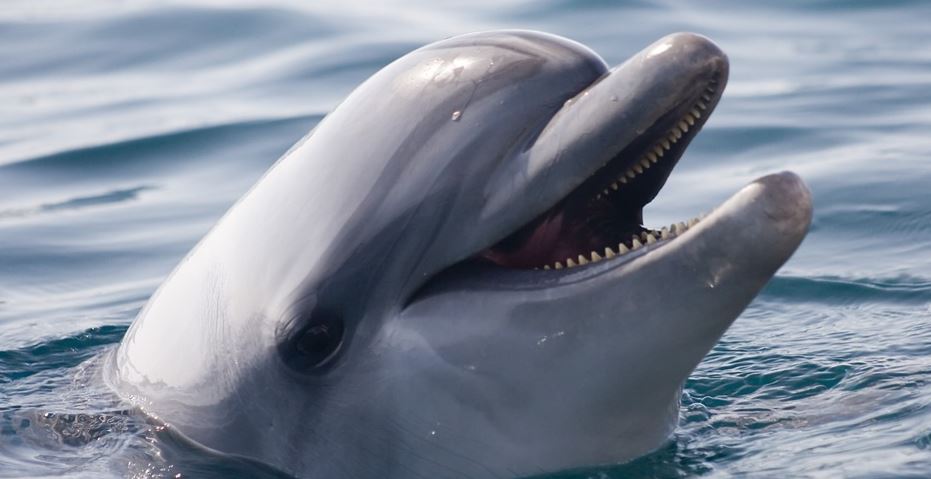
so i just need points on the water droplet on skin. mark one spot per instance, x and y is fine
(457, 115)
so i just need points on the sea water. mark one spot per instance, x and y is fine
(127, 127)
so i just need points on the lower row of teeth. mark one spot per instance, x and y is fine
(637, 241)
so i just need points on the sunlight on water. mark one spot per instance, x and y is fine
(128, 127)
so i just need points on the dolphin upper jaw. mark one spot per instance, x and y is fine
(593, 126)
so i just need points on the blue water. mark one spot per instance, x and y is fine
(128, 127)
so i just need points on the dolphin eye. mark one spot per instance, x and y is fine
(314, 345)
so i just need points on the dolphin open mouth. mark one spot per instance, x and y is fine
(603, 217)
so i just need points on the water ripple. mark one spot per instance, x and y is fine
(127, 128)
(835, 290)
(80, 202)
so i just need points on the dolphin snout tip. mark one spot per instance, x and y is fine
(690, 38)
(787, 203)
(694, 42)
(692, 48)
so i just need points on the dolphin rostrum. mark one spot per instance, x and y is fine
(450, 276)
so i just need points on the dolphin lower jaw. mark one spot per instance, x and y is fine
(594, 359)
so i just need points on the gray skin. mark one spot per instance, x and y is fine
(481, 371)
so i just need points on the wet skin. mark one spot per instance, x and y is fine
(451, 277)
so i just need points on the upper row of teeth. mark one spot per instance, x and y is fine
(654, 153)
(637, 242)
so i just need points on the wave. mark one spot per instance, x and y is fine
(79, 202)
(153, 153)
(67, 352)
(836, 290)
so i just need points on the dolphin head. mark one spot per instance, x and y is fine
(451, 277)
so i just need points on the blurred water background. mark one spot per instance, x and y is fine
(127, 127)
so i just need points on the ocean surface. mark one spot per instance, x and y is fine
(127, 127)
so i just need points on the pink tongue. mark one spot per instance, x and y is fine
(552, 239)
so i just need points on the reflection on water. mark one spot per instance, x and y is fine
(128, 127)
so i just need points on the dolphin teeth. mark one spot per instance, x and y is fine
(664, 233)
(706, 98)
(690, 119)
(637, 168)
(645, 162)
(665, 143)
(609, 253)
(693, 222)
(643, 235)
(678, 132)
(623, 180)
(702, 105)
(658, 151)
(672, 136)
(683, 126)
(570, 263)
(622, 248)
(631, 174)
(546, 266)
(695, 113)
(651, 239)
(558, 265)
(651, 157)
(614, 186)
(680, 228)
(636, 244)
(582, 259)
(595, 257)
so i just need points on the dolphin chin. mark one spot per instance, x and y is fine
(451, 275)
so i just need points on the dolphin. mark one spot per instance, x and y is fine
(450, 276)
